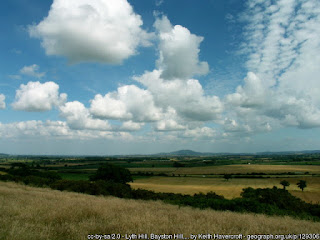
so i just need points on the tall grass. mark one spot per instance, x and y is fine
(38, 213)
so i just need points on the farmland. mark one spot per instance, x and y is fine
(229, 189)
(194, 174)
(221, 180)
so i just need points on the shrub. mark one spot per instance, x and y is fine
(109, 172)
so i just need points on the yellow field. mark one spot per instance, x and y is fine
(234, 169)
(37, 213)
(229, 189)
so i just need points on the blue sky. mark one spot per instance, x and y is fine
(124, 77)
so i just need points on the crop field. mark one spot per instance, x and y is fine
(229, 189)
(235, 169)
(191, 180)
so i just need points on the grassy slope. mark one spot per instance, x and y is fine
(36, 213)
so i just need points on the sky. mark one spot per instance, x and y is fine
(104, 77)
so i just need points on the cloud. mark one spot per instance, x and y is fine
(86, 31)
(38, 97)
(282, 86)
(78, 117)
(179, 51)
(2, 101)
(200, 133)
(32, 70)
(261, 108)
(129, 126)
(159, 2)
(128, 103)
(170, 121)
(15, 77)
(280, 36)
(251, 94)
(34, 128)
(55, 130)
(186, 97)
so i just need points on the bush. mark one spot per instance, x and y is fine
(99, 187)
(109, 172)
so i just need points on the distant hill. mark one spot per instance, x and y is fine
(289, 152)
(194, 153)
(182, 153)
(191, 153)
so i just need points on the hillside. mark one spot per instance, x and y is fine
(38, 213)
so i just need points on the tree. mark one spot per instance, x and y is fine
(109, 172)
(227, 176)
(177, 164)
(285, 184)
(302, 184)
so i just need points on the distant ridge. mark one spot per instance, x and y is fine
(184, 152)
(194, 153)
(288, 152)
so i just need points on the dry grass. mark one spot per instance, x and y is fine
(229, 189)
(34, 213)
(233, 169)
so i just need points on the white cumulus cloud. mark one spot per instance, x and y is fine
(91, 30)
(170, 121)
(130, 126)
(252, 94)
(38, 97)
(179, 51)
(78, 117)
(187, 97)
(128, 103)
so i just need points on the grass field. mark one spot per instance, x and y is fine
(37, 213)
(235, 169)
(229, 189)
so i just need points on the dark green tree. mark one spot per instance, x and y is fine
(302, 184)
(177, 164)
(227, 176)
(109, 172)
(285, 184)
